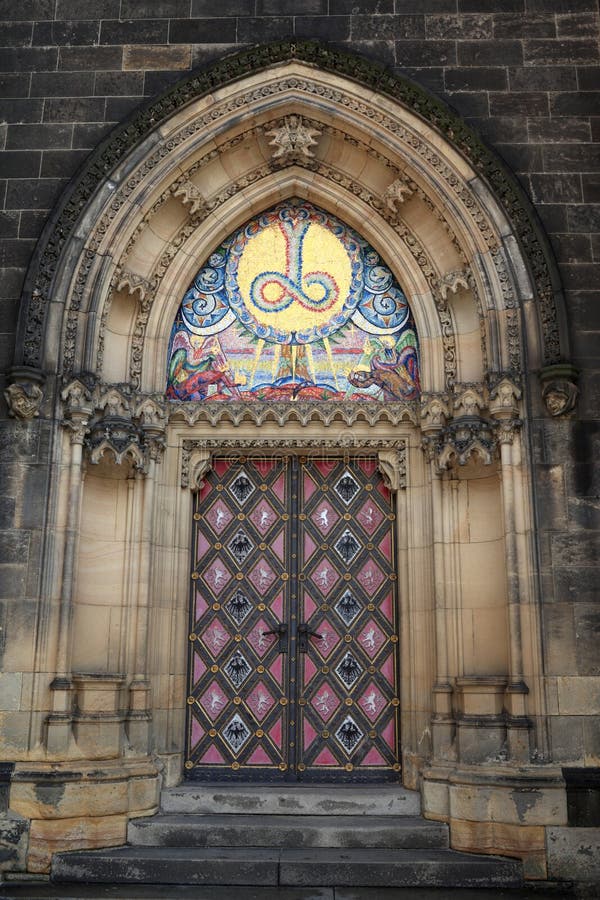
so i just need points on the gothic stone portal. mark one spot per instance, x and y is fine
(293, 669)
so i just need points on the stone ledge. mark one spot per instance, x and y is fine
(58, 794)
(534, 776)
(81, 807)
(513, 806)
(81, 770)
(518, 798)
(501, 776)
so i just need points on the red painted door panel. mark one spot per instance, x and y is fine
(293, 639)
(348, 676)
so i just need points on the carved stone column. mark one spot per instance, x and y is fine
(98, 715)
(434, 415)
(152, 425)
(504, 408)
(139, 716)
(77, 415)
(517, 690)
(483, 427)
(443, 723)
(110, 421)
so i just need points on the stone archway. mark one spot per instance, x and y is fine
(289, 121)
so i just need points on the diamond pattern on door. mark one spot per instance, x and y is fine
(328, 639)
(263, 516)
(236, 733)
(293, 639)
(347, 546)
(357, 699)
(349, 735)
(238, 710)
(213, 701)
(347, 607)
(325, 576)
(325, 701)
(238, 607)
(325, 517)
(217, 576)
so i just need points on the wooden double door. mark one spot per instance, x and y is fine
(293, 662)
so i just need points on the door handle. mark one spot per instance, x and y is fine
(281, 632)
(304, 633)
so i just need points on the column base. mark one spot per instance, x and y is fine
(504, 811)
(75, 806)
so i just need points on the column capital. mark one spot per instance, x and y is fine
(507, 430)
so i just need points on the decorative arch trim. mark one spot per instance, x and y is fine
(93, 184)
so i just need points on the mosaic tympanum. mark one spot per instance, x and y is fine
(295, 304)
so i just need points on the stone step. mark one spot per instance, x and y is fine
(289, 867)
(277, 831)
(297, 800)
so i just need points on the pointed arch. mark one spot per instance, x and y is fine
(428, 152)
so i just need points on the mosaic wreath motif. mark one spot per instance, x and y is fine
(294, 304)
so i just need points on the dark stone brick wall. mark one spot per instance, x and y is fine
(524, 73)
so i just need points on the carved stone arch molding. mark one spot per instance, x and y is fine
(118, 254)
(175, 177)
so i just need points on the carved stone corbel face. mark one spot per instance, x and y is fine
(560, 397)
(24, 400)
(195, 467)
(559, 388)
